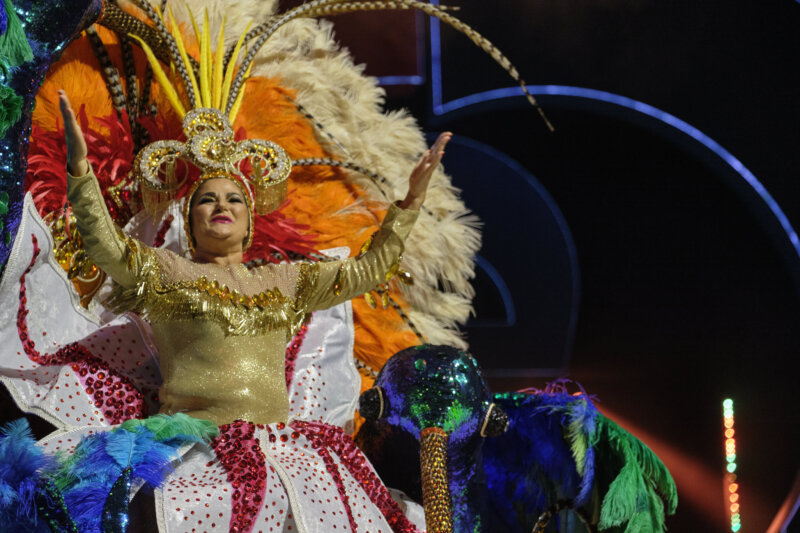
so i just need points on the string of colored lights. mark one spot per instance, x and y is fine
(732, 486)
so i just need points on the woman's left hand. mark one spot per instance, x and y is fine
(423, 171)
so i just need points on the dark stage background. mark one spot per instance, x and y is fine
(627, 250)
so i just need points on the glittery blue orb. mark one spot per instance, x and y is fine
(434, 386)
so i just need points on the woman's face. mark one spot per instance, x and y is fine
(219, 217)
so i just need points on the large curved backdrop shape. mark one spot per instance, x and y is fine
(720, 161)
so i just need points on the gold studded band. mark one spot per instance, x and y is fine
(435, 489)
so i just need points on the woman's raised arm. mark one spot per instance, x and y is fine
(326, 284)
(119, 256)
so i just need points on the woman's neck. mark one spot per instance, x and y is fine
(233, 258)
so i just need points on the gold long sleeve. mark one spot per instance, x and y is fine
(329, 283)
(118, 257)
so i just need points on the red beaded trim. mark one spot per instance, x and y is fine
(326, 437)
(115, 394)
(158, 241)
(239, 452)
(291, 353)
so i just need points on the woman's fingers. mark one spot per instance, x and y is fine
(431, 157)
(71, 126)
(441, 142)
(423, 171)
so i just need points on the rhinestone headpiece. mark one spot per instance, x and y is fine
(211, 147)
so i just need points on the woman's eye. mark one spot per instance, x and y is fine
(235, 199)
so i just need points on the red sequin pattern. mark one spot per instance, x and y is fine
(334, 439)
(115, 397)
(239, 452)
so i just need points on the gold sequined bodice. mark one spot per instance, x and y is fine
(221, 331)
(221, 335)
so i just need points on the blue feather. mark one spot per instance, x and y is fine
(22, 465)
(100, 459)
(121, 447)
(86, 477)
(547, 454)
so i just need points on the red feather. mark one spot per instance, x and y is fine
(276, 233)
(110, 155)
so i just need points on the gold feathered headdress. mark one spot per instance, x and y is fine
(260, 168)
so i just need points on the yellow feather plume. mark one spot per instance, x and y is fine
(205, 63)
(162, 78)
(226, 85)
(176, 32)
(216, 76)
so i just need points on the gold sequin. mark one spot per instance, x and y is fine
(337, 283)
(385, 297)
(435, 488)
(392, 270)
(405, 277)
(370, 299)
(365, 247)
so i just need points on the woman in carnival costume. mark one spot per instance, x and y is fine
(220, 328)
(252, 456)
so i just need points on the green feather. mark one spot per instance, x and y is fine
(578, 438)
(165, 427)
(14, 47)
(638, 494)
(10, 109)
(620, 502)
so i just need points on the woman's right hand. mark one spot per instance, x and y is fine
(77, 164)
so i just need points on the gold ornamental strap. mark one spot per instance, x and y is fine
(435, 487)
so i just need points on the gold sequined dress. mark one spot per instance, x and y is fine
(221, 334)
